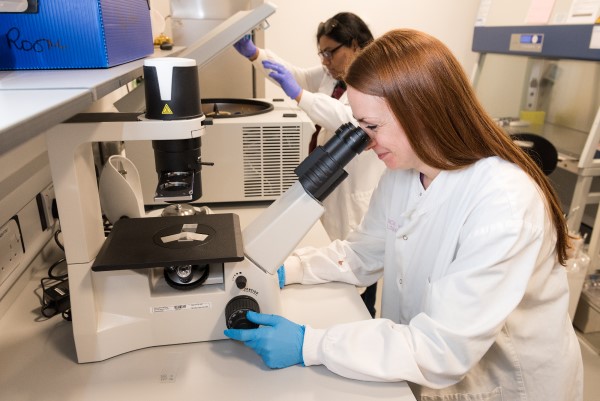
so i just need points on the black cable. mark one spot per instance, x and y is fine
(54, 265)
(55, 288)
(55, 298)
(56, 233)
(48, 309)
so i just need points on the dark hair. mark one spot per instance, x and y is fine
(344, 28)
(430, 96)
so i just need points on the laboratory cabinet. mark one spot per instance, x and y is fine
(542, 76)
(569, 99)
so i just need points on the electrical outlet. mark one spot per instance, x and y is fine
(44, 201)
(11, 248)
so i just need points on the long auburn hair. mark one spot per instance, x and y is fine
(447, 127)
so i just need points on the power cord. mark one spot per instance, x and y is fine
(55, 289)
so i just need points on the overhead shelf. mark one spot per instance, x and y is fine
(548, 41)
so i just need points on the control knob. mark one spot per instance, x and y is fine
(240, 282)
(235, 312)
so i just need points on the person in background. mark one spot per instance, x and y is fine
(471, 238)
(320, 92)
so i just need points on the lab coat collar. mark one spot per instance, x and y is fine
(435, 195)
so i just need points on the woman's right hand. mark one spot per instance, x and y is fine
(246, 47)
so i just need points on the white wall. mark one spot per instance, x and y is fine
(292, 31)
(293, 27)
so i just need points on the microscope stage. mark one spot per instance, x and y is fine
(140, 243)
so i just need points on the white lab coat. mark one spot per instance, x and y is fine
(474, 300)
(345, 207)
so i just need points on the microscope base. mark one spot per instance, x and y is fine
(119, 311)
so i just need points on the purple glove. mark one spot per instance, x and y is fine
(278, 341)
(284, 78)
(245, 46)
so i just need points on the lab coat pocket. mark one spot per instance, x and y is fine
(494, 395)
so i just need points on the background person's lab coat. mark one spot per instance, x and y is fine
(347, 204)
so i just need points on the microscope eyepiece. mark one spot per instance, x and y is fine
(347, 142)
(322, 171)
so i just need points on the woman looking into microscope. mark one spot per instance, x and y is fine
(468, 234)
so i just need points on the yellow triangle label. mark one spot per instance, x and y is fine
(167, 110)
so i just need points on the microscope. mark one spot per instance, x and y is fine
(175, 279)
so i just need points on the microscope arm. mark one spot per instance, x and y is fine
(270, 238)
(74, 175)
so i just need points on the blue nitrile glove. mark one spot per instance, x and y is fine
(281, 276)
(284, 78)
(278, 341)
(245, 46)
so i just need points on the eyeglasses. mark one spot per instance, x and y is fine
(328, 54)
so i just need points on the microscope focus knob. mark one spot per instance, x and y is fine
(235, 312)
(241, 281)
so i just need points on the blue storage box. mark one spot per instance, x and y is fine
(55, 34)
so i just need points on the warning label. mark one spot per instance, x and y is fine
(167, 110)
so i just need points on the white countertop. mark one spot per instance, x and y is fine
(39, 361)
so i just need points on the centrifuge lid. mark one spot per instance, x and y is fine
(224, 35)
(232, 108)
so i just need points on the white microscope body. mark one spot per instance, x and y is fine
(129, 291)
(120, 310)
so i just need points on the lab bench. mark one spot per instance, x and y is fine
(40, 362)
